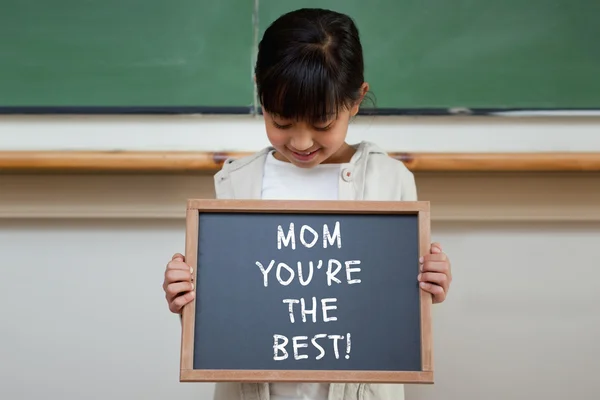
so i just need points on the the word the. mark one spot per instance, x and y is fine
(312, 309)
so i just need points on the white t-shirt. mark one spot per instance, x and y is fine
(285, 181)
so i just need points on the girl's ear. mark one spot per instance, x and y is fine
(364, 89)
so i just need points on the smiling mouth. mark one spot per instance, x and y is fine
(304, 155)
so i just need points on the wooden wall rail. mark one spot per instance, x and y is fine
(183, 161)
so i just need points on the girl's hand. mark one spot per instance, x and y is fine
(178, 286)
(436, 275)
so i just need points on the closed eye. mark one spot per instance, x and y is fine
(323, 128)
(281, 126)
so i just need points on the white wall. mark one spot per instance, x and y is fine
(84, 315)
(82, 258)
(522, 320)
(244, 133)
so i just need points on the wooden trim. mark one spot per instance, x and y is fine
(426, 298)
(312, 206)
(189, 310)
(454, 196)
(196, 206)
(186, 161)
(342, 376)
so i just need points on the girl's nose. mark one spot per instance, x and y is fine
(302, 142)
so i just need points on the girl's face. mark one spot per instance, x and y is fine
(307, 144)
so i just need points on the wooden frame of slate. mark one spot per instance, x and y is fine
(307, 291)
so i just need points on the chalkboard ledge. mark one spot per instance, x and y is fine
(209, 162)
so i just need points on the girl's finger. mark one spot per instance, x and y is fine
(432, 277)
(174, 289)
(176, 264)
(178, 256)
(434, 257)
(177, 275)
(177, 304)
(436, 266)
(437, 291)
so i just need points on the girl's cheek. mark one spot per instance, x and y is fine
(276, 137)
(336, 136)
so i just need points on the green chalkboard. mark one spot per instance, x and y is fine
(421, 56)
(495, 54)
(126, 53)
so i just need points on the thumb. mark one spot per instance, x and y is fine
(436, 248)
(178, 257)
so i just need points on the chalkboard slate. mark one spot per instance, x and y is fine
(307, 291)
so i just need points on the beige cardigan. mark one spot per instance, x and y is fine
(370, 175)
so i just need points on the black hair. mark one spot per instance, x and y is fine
(309, 65)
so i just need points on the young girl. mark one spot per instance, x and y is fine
(309, 75)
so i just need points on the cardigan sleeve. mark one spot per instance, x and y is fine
(409, 186)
